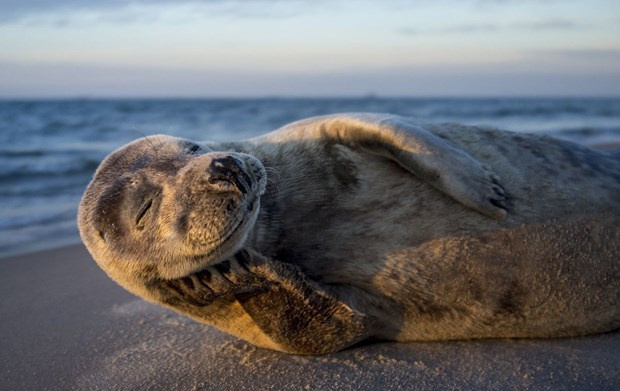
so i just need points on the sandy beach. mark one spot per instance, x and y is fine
(66, 325)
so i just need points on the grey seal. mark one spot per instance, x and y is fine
(343, 228)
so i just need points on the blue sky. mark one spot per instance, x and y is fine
(165, 48)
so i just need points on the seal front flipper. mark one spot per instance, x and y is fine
(295, 314)
(300, 315)
(432, 159)
(204, 287)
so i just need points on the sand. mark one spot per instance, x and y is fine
(66, 325)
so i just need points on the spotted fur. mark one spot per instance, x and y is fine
(337, 229)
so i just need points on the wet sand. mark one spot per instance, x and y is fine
(66, 325)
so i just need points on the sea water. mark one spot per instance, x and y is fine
(50, 149)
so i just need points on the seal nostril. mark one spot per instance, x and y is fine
(216, 179)
(228, 169)
(229, 163)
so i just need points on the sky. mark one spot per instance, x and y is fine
(338, 48)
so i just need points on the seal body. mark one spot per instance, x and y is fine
(341, 228)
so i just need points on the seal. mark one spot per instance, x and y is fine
(342, 228)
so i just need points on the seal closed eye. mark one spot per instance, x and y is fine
(368, 226)
(145, 208)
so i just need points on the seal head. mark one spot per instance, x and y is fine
(165, 207)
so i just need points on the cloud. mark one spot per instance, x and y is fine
(458, 29)
(551, 24)
(19, 9)
(608, 55)
(542, 25)
(62, 12)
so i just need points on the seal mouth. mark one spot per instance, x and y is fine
(233, 234)
(222, 247)
(235, 227)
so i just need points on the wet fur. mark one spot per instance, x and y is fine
(349, 245)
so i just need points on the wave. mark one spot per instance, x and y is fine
(32, 188)
(12, 153)
(37, 219)
(40, 170)
(525, 111)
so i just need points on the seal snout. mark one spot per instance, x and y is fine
(229, 169)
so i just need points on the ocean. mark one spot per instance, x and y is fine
(49, 149)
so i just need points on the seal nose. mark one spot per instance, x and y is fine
(228, 169)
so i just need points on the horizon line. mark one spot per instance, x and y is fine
(369, 96)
